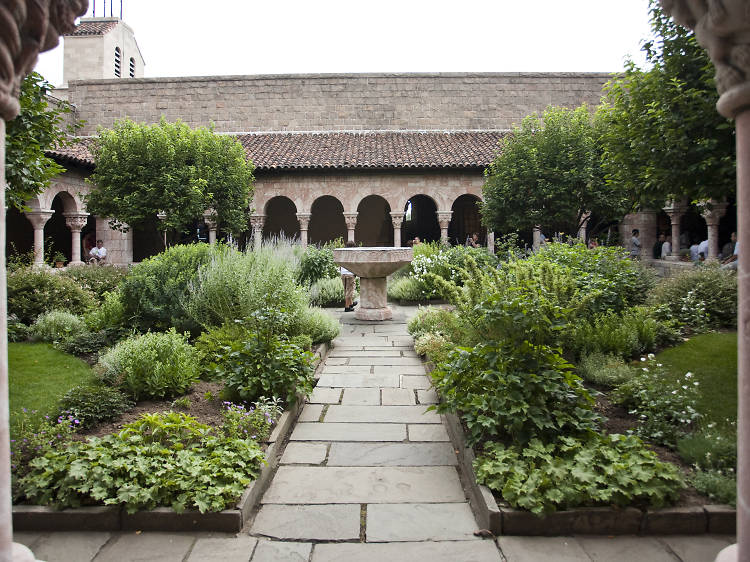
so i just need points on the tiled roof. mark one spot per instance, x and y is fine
(94, 27)
(349, 150)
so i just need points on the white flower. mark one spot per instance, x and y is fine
(688, 375)
(651, 356)
(643, 358)
(645, 369)
(674, 392)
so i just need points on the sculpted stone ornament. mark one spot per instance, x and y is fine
(27, 28)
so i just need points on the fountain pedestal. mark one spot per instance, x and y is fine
(372, 266)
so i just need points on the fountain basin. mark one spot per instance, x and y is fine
(372, 266)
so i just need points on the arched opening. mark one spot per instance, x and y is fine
(57, 237)
(281, 219)
(374, 225)
(693, 229)
(466, 220)
(19, 242)
(727, 225)
(420, 220)
(326, 221)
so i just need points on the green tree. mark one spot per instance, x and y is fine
(548, 173)
(661, 135)
(142, 170)
(39, 127)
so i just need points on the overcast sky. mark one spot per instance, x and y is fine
(186, 38)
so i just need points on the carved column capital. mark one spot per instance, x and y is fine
(211, 219)
(304, 220)
(76, 221)
(257, 221)
(444, 218)
(721, 26)
(39, 218)
(27, 28)
(397, 219)
(351, 220)
(713, 215)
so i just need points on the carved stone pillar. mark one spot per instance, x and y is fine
(723, 28)
(38, 219)
(210, 218)
(491, 243)
(75, 222)
(584, 226)
(351, 224)
(713, 217)
(675, 211)
(304, 224)
(536, 238)
(397, 218)
(27, 27)
(444, 220)
(257, 222)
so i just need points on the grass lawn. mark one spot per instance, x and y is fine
(712, 358)
(39, 375)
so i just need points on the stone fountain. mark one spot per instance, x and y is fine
(372, 266)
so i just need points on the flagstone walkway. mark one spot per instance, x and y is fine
(368, 475)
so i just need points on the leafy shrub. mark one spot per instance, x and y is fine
(153, 291)
(97, 280)
(213, 343)
(408, 289)
(318, 324)
(665, 407)
(303, 341)
(514, 391)
(17, 330)
(153, 365)
(95, 404)
(317, 264)
(57, 325)
(236, 285)
(435, 346)
(604, 369)
(601, 470)
(160, 460)
(710, 448)
(710, 288)
(434, 320)
(263, 365)
(109, 314)
(719, 485)
(328, 291)
(32, 292)
(85, 342)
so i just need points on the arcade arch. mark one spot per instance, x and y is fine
(420, 219)
(466, 220)
(374, 224)
(326, 220)
(281, 218)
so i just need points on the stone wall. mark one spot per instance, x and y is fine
(320, 102)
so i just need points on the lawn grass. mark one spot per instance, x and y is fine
(712, 358)
(39, 375)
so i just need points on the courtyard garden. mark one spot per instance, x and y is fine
(158, 385)
(581, 379)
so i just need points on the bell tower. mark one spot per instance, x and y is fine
(102, 46)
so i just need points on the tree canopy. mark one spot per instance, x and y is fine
(142, 170)
(662, 137)
(548, 173)
(39, 126)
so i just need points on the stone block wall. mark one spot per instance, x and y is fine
(326, 102)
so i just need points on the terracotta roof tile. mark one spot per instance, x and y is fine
(94, 27)
(350, 150)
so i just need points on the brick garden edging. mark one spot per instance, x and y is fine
(115, 518)
(720, 519)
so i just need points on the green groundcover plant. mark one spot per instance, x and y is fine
(32, 292)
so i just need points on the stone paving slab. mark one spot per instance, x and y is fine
(361, 397)
(409, 348)
(367, 352)
(536, 549)
(325, 395)
(398, 397)
(304, 453)
(326, 431)
(345, 370)
(428, 396)
(400, 370)
(389, 361)
(430, 432)
(308, 522)
(359, 381)
(360, 340)
(418, 382)
(335, 361)
(235, 549)
(625, 549)
(273, 551)
(66, 546)
(391, 454)
(700, 548)
(420, 522)
(381, 414)
(310, 413)
(147, 547)
(402, 340)
(385, 484)
(460, 551)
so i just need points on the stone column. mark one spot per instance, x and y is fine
(536, 238)
(209, 217)
(584, 225)
(712, 217)
(304, 223)
(27, 27)
(162, 216)
(444, 219)
(491, 243)
(75, 222)
(723, 28)
(351, 224)
(675, 211)
(38, 219)
(257, 222)
(397, 219)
